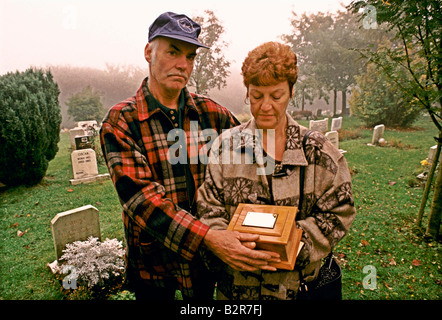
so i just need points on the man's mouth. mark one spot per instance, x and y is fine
(178, 75)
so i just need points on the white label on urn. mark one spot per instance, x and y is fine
(260, 219)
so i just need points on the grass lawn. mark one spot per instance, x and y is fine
(383, 243)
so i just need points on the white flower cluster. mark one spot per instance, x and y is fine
(93, 261)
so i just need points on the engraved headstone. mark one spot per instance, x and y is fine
(74, 225)
(74, 133)
(84, 163)
(319, 125)
(83, 142)
(84, 167)
(333, 137)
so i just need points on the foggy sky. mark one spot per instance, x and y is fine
(91, 33)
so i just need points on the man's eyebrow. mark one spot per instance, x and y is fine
(174, 47)
(192, 54)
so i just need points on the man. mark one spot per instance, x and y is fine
(162, 236)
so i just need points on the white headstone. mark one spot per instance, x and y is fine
(333, 137)
(378, 133)
(319, 125)
(87, 125)
(84, 167)
(336, 124)
(74, 133)
(84, 163)
(74, 225)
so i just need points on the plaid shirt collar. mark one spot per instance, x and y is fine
(145, 111)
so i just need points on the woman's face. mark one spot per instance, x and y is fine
(269, 103)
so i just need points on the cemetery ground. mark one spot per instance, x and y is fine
(384, 256)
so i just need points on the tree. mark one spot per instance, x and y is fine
(326, 63)
(86, 105)
(210, 68)
(417, 26)
(377, 100)
(29, 126)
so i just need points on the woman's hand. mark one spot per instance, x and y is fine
(236, 250)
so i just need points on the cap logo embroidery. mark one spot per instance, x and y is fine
(185, 25)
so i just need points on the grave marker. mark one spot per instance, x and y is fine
(319, 125)
(83, 142)
(378, 133)
(74, 225)
(336, 124)
(333, 137)
(84, 167)
(74, 133)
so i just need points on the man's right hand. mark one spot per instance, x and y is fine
(236, 250)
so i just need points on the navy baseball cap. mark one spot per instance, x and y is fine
(176, 26)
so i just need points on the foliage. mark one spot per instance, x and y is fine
(86, 105)
(93, 261)
(417, 26)
(210, 67)
(29, 126)
(378, 101)
(322, 43)
(116, 83)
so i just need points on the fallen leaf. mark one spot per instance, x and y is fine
(15, 225)
(70, 190)
(387, 285)
(416, 263)
(364, 243)
(391, 183)
(392, 262)
(20, 233)
(37, 203)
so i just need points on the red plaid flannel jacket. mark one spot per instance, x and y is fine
(161, 237)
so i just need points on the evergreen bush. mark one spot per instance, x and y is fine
(30, 121)
(377, 100)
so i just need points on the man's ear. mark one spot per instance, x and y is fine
(148, 53)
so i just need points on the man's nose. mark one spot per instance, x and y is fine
(181, 63)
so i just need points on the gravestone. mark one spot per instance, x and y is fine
(333, 137)
(378, 133)
(74, 133)
(74, 225)
(336, 124)
(319, 125)
(83, 142)
(88, 126)
(84, 167)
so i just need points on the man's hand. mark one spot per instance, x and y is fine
(236, 250)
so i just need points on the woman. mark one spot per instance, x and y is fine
(272, 177)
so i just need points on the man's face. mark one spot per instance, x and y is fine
(171, 63)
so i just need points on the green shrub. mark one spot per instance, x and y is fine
(379, 101)
(29, 126)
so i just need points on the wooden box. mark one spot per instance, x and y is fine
(276, 228)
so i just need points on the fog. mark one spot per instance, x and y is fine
(97, 33)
